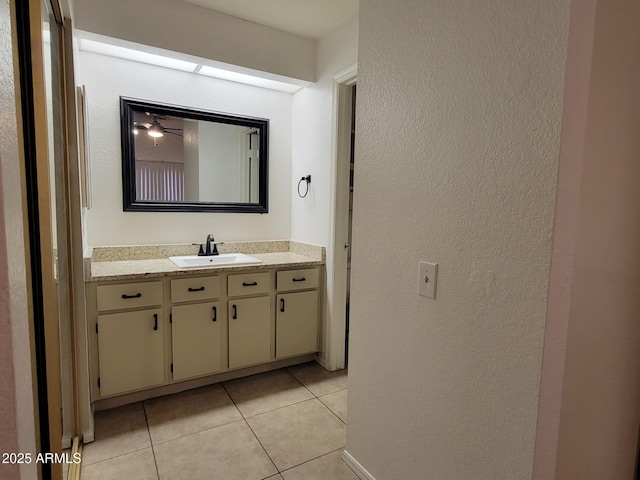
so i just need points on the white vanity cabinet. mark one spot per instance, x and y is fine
(196, 327)
(249, 319)
(130, 342)
(297, 312)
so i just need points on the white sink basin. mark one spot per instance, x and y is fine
(191, 261)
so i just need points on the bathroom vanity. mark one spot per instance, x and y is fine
(154, 328)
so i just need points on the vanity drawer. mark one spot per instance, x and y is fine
(287, 280)
(199, 288)
(129, 295)
(249, 284)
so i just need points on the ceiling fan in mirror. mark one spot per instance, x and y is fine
(155, 129)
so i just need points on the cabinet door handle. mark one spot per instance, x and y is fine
(282, 304)
(137, 295)
(252, 284)
(195, 289)
(155, 321)
(300, 279)
(215, 314)
(235, 312)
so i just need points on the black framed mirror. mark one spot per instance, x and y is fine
(180, 159)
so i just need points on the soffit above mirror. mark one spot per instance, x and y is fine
(192, 30)
(117, 48)
(308, 18)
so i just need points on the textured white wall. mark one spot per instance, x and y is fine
(185, 28)
(313, 120)
(314, 152)
(108, 78)
(17, 428)
(458, 127)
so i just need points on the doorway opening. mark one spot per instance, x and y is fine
(339, 255)
(348, 245)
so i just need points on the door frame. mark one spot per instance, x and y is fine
(59, 415)
(339, 225)
(39, 235)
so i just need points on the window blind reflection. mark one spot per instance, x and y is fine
(159, 181)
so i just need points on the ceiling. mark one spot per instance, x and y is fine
(307, 18)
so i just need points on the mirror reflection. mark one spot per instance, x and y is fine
(181, 159)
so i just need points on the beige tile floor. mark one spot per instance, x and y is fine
(289, 424)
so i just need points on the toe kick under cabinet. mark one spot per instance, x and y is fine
(154, 333)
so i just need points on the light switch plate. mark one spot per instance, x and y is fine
(427, 279)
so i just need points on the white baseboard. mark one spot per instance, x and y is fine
(322, 361)
(88, 436)
(355, 466)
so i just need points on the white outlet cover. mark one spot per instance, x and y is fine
(427, 279)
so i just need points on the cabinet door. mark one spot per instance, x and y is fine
(131, 351)
(296, 323)
(196, 340)
(249, 331)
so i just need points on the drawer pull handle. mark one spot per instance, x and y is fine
(137, 295)
(300, 279)
(282, 304)
(155, 321)
(235, 312)
(215, 314)
(201, 289)
(252, 284)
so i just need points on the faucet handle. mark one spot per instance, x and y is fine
(201, 252)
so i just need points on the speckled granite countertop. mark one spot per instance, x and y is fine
(149, 261)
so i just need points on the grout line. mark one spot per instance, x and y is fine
(204, 429)
(315, 396)
(111, 458)
(153, 451)
(311, 382)
(329, 408)
(276, 408)
(299, 381)
(280, 408)
(314, 458)
(333, 413)
(197, 432)
(254, 433)
(231, 398)
(245, 420)
(263, 449)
